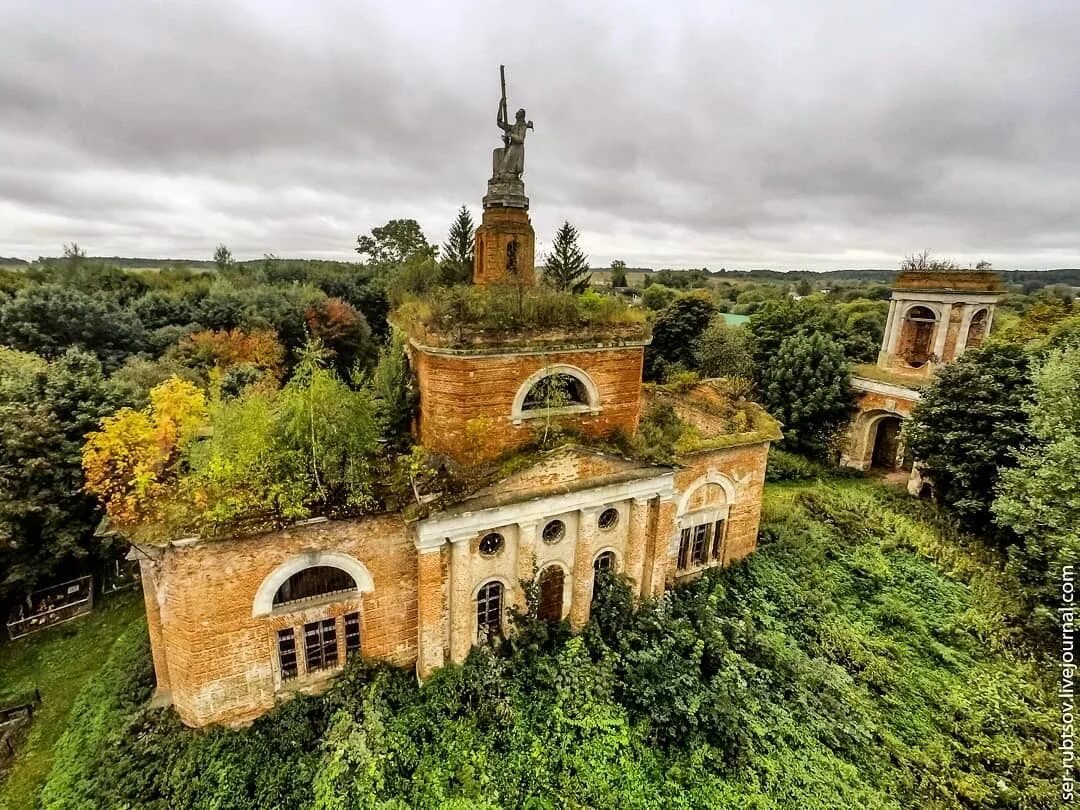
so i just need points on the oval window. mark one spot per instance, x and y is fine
(609, 519)
(554, 531)
(491, 544)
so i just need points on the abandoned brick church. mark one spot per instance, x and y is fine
(238, 623)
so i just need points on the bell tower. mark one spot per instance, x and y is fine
(505, 243)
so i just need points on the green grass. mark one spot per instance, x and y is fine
(59, 662)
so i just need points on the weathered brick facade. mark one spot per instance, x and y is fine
(214, 630)
(467, 400)
(934, 317)
(505, 236)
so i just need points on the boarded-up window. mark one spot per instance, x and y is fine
(718, 540)
(551, 593)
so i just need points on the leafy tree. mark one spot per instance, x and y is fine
(968, 426)
(457, 253)
(808, 388)
(157, 309)
(566, 268)
(223, 258)
(658, 296)
(779, 319)
(344, 334)
(132, 464)
(395, 242)
(416, 276)
(394, 388)
(676, 332)
(48, 319)
(46, 521)
(216, 353)
(804, 287)
(724, 350)
(1039, 499)
(618, 273)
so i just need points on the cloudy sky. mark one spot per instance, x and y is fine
(758, 134)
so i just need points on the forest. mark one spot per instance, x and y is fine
(876, 651)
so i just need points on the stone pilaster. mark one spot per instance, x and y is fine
(462, 608)
(153, 598)
(637, 542)
(581, 601)
(431, 618)
(664, 530)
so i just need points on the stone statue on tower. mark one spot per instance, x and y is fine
(509, 161)
(505, 188)
(505, 249)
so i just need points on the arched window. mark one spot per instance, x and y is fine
(489, 610)
(555, 391)
(918, 332)
(977, 330)
(315, 582)
(604, 562)
(552, 580)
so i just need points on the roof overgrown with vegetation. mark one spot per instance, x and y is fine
(466, 316)
(869, 371)
(691, 417)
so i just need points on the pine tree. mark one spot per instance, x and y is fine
(457, 262)
(566, 267)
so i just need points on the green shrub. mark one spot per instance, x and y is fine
(82, 769)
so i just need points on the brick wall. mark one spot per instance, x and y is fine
(466, 402)
(745, 467)
(221, 660)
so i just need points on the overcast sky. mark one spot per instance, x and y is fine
(787, 135)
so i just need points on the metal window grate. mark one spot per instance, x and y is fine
(320, 645)
(489, 610)
(352, 635)
(605, 562)
(286, 644)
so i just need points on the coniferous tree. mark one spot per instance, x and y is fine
(618, 273)
(457, 260)
(567, 267)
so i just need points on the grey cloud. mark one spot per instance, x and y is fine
(761, 134)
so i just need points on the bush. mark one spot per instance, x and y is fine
(784, 466)
(836, 667)
(83, 769)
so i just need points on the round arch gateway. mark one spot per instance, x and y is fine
(268, 590)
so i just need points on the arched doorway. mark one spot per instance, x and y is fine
(887, 453)
(917, 335)
(977, 330)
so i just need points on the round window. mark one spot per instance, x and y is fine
(491, 544)
(554, 531)
(609, 519)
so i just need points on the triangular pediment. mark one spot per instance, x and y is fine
(564, 469)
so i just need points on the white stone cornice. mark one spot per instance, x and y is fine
(438, 529)
(884, 388)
